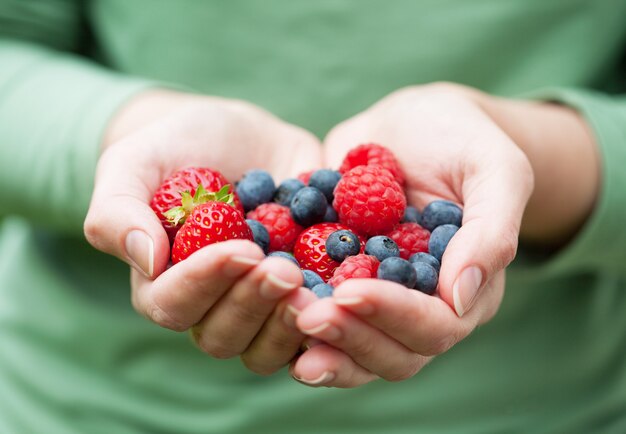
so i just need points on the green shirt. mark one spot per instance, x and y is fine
(75, 357)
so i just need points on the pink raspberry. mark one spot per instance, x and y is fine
(358, 266)
(410, 238)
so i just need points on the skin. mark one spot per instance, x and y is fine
(521, 170)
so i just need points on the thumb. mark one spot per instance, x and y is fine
(120, 221)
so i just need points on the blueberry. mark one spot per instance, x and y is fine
(311, 278)
(412, 215)
(398, 270)
(256, 187)
(441, 212)
(425, 257)
(439, 239)
(260, 234)
(341, 244)
(285, 255)
(287, 190)
(382, 247)
(323, 290)
(331, 215)
(308, 206)
(427, 278)
(325, 181)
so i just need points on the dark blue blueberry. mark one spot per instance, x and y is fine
(398, 270)
(425, 257)
(412, 215)
(308, 206)
(285, 255)
(323, 290)
(427, 278)
(311, 278)
(382, 247)
(260, 234)
(439, 239)
(287, 190)
(441, 212)
(341, 244)
(325, 181)
(256, 187)
(331, 215)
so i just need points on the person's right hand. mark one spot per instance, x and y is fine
(235, 302)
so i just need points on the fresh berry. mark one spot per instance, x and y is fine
(359, 266)
(305, 176)
(310, 249)
(412, 215)
(308, 206)
(323, 290)
(210, 222)
(410, 238)
(382, 247)
(325, 181)
(331, 215)
(427, 278)
(372, 154)
(168, 195)
(342, 244)
(277, 220)
(398, 270)
(439, 239)
(311, 278)
(369, 200)
(260, 235)
(288, 256)
(287, 190)
(427, 258)
(441, 212)
(256, 187)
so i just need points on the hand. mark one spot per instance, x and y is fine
(235, 302)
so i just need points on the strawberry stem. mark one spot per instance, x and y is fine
(178, 214)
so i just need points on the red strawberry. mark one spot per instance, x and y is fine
(410, 238)
(310, 249)
(169, 193)
(368, 199)
(210, 222)
(359, 266)
(305, 176)
(369, 154)
(279, 223)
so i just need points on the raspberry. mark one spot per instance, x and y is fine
(410, 237)
(368, 199)
(278, 222)
(369, 154)
(305, 176)
(359, 266)
(310, 249)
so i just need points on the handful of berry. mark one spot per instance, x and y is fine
(335, 225)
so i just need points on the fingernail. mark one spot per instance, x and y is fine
(465, 289)
(236, 265)
(140, 250)
(290, 316)
(326, 331)
(310, 343)
(355, 304)
(273, 287)
(326, 377)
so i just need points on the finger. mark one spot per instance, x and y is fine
(324, 365)
(279, 339)
(181, 296)
(230, 325)
(366, 345)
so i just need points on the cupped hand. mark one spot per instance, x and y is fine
(449, 148)
(234, 301)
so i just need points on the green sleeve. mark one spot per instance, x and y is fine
(54, 106)
(601, 243)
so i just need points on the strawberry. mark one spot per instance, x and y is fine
(410, 237)
(277, 220)
(369, 154)
(168, 195)
(369, 200)
(213, 221)
(359, 266)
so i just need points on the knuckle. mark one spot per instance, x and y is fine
(163, 319)
(408, 370)
(213, 347)
(509, 242)
(257, 366)
(244, 313)
(362, 349)
(440, 345)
